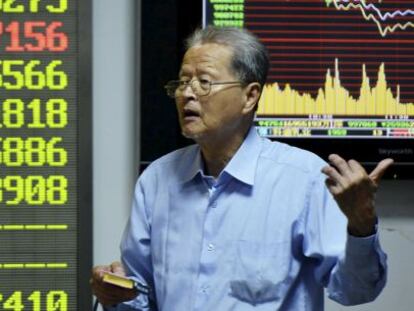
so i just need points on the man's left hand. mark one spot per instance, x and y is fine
(354, 191)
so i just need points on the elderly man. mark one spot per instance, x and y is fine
(237, 222)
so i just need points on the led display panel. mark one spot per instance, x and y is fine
(339, 68)
(44, 154)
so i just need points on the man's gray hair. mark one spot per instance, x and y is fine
(250, 61)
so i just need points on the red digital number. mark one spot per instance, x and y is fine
(38, 36)
(56, 41)
(14, 28)
(43, 37)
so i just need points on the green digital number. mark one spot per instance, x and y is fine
(13, 113)
(57, 301)
(14, 184)
(61, 8)
(35, 107)
(53, 113)
(34, 6)
(35, 79)
(57, 192)
(33, 152)
(16, 75)
(9, 6)
(14, 302)
(56, 115)
(56, 79)
(12, 151)
(337, 132)
(35, 299)
(34, 190)
(56, 156)
(30, 77)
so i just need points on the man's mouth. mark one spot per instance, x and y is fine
(190, 114)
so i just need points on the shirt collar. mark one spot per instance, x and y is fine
(242, 165)
(196, 166)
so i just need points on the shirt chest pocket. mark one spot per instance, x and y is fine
(261, 272)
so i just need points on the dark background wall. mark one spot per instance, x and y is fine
(165, 25)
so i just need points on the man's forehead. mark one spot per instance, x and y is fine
(208, 54)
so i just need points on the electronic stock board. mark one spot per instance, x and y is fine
(45, 166)
(339, 68)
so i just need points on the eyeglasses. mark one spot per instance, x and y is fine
(199, 87)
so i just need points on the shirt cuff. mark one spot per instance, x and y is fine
(364, 242)
(358, 247)
(361, 245)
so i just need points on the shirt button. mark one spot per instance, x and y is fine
(211, 247)
(204, 289)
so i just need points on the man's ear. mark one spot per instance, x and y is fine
(252, 94)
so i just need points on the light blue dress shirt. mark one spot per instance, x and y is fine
(265, 235)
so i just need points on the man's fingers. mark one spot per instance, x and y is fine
(332, 186)
(108, 299)
(109, 294)
(341, 165)
(334, 177)
(357, 167)
(98, 272)
(109, 291)
(117, 268)
(380, 169)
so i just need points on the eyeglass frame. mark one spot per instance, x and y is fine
(185, 84)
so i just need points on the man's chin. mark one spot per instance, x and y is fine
(191, 135)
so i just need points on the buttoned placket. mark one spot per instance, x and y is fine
(208, 257)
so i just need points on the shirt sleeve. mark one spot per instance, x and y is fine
(136, 250)
(353, 269)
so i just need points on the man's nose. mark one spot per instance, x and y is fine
(189, 92)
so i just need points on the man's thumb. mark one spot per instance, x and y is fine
(117, 268)
(380, 169)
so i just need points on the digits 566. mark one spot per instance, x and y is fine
(54, 301)
(18, 74)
